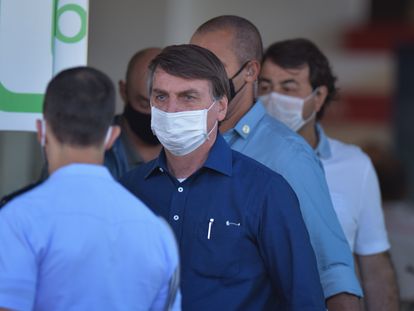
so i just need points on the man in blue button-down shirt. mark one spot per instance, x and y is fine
(242, 239)
(80, 241)
(248, 129)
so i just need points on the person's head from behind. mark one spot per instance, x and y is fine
(189, 91)
(78, 108)
(134, 93)
(238, 44)
(297, 69)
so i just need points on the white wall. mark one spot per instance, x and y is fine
(119, 28)
(116, 33)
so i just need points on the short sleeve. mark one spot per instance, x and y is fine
(371, 236)
(18, 268)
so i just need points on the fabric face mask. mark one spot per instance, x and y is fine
(287, 109)
(181, 132)
(233, 91)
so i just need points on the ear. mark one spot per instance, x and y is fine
(113, 132)
(320, 97)
(222, 105)
(252, 71)
(122, 90)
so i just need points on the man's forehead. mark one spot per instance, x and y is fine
(272, 71)
(164, 81)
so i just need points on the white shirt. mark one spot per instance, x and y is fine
(355, 194)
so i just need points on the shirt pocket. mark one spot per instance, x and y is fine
(217, 255)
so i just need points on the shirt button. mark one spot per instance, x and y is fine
(246, 129)
(161, 170)
(180, 189)
(176, 217)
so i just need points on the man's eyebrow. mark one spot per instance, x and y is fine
(158, 91)
(189, 92)
(289, 81)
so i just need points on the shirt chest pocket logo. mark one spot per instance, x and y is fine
(216, 251)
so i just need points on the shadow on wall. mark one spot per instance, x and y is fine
(20, 160)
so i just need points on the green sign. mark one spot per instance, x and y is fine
(36, 43)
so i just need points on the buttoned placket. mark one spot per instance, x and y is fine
(178, 200)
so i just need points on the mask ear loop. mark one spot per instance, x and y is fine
(311, 94)
(44, 171)
(108, 135)
(43, 133)
(313, 114)
(215, 124)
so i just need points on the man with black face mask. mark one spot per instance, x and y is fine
(136, 144)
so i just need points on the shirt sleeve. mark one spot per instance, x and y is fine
(334, 258)
(371, 236)
(18, 268)
(285, 246)
(169, 295)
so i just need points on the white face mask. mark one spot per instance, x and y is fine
(180, 132)
(287, 109)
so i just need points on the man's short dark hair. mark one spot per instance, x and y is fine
(297, 53)
(79, 106)
(247, 42)
(190, 61)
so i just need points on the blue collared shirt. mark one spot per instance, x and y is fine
(122, 156)
(80, 241)
(243, 242)
(270, 142)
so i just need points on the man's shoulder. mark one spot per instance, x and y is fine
(278, 136)
(276, 146)
(348, 153)
(138, 172)
(246, 166)
(17, 193)
(132, 180)
(25, 201)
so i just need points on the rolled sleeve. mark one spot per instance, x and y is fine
(340, 279)
(333, 254)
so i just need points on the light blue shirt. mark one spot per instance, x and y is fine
(268, 141)
(80, 241)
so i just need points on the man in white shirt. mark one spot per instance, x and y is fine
(296, 84)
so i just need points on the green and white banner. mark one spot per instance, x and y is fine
(38, 38)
